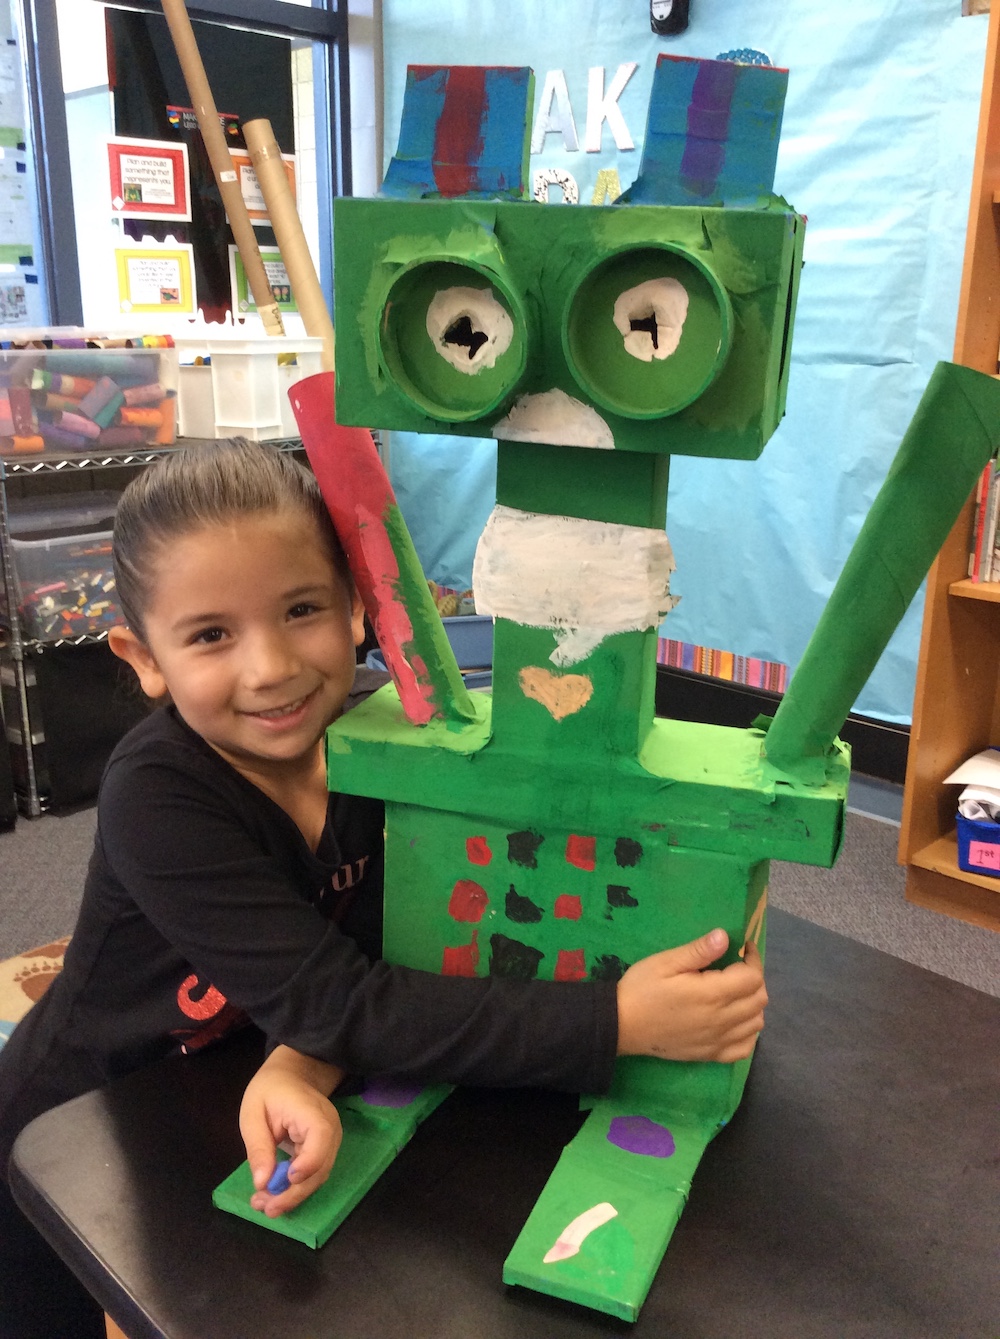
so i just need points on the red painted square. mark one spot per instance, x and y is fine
(571, 965)
(568, 907)
(478, 850)
(468, 901)
(581, 851)
(461, 961)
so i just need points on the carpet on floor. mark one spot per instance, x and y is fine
(24, 979)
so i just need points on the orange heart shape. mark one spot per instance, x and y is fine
(560, 694)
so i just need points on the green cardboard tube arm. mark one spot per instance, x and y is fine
(955, 430)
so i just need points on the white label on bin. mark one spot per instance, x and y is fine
(984, 854)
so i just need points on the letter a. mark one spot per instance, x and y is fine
(559, 120)
(608, 186)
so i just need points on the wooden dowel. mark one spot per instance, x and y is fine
(267, 163)
(219, 156)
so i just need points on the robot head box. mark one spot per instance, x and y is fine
(636, 326)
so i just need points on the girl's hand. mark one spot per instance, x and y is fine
(669, 1006)
(285, 1103)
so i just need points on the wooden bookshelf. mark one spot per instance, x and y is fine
(976, 590)
(956, 709)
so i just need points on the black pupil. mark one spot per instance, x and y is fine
(647, 323)
(461, 332)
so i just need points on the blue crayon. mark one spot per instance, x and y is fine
(279, 1178)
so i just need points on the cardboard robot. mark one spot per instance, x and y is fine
(555, 828)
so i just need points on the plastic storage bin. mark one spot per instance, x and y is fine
(65, 586)
(471, 638)
(52, 515)
(60, 549)
(68, 400)
(979, 846)
(242, 390)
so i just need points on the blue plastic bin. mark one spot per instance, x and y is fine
(471, 638)
(979, 846)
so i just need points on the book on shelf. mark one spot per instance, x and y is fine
(984, 557)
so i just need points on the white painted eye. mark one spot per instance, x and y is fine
(651, 317)
(469, 328)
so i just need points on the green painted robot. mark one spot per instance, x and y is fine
(556, 828)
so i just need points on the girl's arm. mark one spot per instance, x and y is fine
(287, 1102)
(668, 1006)
(223, 877)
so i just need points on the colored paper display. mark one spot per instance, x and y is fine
(149, 179)
(253, 197)
(274, 268)
(154, 278)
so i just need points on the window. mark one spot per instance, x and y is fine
(117, 75)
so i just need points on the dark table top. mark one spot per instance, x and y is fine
(855, 1194)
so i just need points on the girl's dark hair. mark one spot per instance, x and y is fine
(205, 485)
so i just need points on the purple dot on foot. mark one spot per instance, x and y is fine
(639, 1134)
(387, 1093)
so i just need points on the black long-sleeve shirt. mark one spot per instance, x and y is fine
(204, 905)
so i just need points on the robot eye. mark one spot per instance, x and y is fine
(651, 318)
(647, 331)
(469, 328)
(453, 339)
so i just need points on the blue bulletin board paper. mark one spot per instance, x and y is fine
(876, 149)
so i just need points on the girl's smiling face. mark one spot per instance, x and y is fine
(252, 632)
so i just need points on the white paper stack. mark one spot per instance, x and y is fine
(980, 776)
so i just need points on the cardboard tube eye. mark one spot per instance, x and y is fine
(651, 317)
(647, 330)
(453, 339)
(469, 328)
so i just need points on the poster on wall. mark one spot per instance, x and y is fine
(156, 277)
(277, 277)
(14, 286)
(21, 301)
(149, 179)
(250, 186)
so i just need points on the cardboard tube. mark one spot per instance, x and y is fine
(267, 163)
(383, 561)
(219, 156)
(955, 430)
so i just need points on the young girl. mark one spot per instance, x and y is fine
(226, 884)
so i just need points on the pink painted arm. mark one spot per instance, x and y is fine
(381, 556)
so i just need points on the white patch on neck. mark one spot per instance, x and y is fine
(584, 580)
(664, 301)
(488, 323)
(556, 419)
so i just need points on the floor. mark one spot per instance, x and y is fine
(874, 798)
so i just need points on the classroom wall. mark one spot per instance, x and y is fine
(877, 150)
